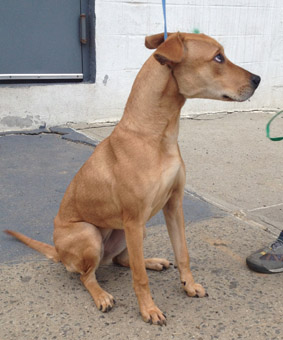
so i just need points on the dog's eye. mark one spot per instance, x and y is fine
(219, 58)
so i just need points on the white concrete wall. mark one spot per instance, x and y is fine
(250, 30)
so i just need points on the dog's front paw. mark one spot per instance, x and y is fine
(194, 290)
(153, 316)
(104, 301)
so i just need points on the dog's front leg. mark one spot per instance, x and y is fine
(174, 216)
(134, 239)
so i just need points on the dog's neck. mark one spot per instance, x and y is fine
(154, 105)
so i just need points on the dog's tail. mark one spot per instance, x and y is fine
(44, 248)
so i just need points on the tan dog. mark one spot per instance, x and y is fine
(138, 170)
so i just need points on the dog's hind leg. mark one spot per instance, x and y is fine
(80, 247)
(151, 263)
(155, 263)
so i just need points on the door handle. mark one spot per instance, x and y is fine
(83, 35)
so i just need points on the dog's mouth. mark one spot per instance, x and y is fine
(235, 99)
(227, 98)
(241, 95)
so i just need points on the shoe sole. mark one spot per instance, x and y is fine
(263, 270)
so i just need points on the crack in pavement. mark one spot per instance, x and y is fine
(66, 133)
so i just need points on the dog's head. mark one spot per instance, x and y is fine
(201, 68)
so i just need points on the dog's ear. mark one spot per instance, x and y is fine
(171, 51)
(153, 41)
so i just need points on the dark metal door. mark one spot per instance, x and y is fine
(40, 39)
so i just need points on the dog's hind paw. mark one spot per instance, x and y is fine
(157, 264)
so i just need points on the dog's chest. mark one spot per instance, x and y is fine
(172, 173)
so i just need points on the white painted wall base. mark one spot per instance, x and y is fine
(250, 30)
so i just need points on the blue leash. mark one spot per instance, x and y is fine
(164, 16)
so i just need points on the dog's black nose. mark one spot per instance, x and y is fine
(255, 80)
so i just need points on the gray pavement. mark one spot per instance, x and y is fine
(233, 205)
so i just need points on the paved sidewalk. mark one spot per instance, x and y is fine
(229, 162)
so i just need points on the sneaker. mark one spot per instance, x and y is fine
(268, 260)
